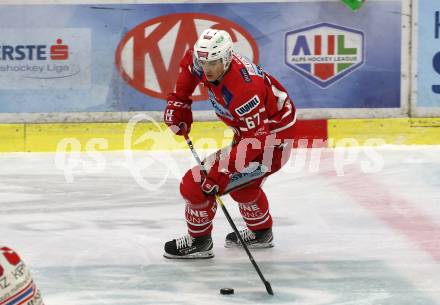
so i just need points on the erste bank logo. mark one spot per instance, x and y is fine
(148, 56)
(17, 52)
(324, 53)
(45, 58)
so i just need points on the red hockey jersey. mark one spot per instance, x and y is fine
(248, 99)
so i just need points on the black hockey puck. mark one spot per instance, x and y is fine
(227, 291)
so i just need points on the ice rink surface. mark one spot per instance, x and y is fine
(351, 226)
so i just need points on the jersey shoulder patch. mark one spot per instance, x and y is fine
(245, 74)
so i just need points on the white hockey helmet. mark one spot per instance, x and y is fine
(212, 45)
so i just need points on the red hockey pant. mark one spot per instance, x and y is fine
(253, 204)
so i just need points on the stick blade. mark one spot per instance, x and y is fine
(268, 288)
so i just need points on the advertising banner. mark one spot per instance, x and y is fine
(119, 58)
(426, 81)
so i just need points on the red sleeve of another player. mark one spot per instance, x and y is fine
(250, 114)
(186, 80)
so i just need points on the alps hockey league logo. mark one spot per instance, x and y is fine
(324, 53)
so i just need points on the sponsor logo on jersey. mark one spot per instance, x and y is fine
(227, 96)
(248, 106)
(324, 53)
(148, 56)
(219, 109)
(244, 73)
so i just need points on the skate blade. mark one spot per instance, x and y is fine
(250, 246)
(197, 255)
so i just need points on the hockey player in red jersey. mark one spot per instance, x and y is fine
(258, 109)
(16, 284)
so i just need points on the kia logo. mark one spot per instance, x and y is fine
(148, 56)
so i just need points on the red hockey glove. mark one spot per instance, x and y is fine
(178, 116)
(216, 182)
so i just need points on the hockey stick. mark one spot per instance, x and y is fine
(228, 217)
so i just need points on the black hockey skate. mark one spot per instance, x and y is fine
(253, 239)
(188, 247)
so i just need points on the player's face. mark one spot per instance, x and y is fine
(213, 69)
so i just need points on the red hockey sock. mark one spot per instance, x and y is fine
(199, 218)
(200, 209)
(254, 208)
